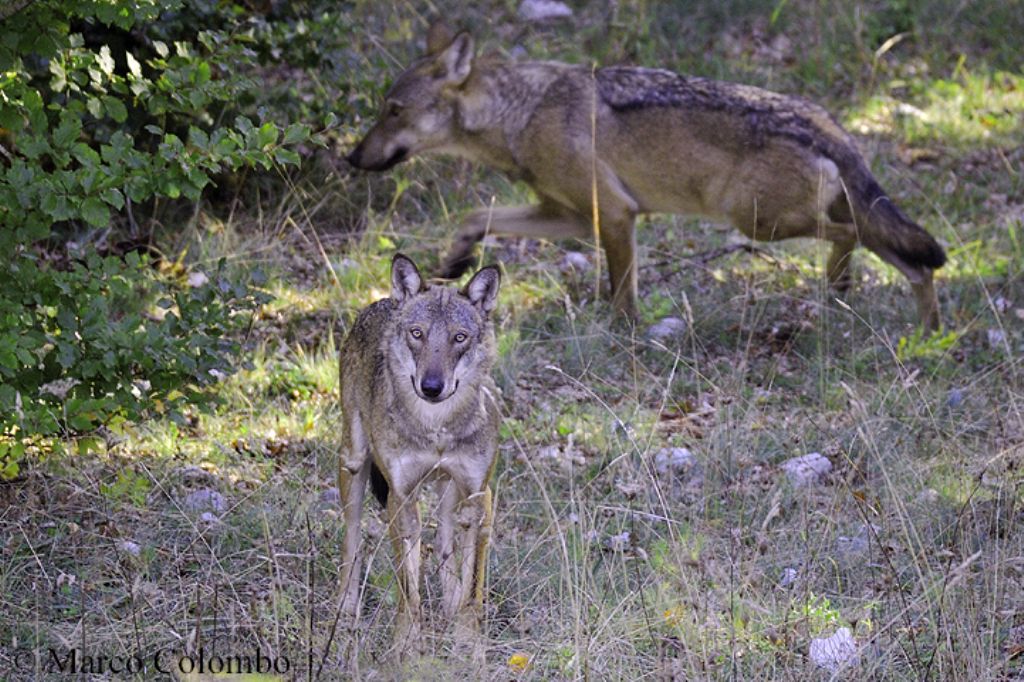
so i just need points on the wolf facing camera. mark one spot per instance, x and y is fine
(418, 405)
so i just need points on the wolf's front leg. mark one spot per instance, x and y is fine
(475, 517)
(451, 589)
(404, 526)
(352, 487)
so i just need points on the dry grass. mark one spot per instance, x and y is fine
(913, 540)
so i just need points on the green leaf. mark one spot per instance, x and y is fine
(68, 131)
(115, 109)
(287, 156)
(243, 124)
(267, 134)
(133, 65)
(10, 117)
(296, 132)
(36, 116)
(95, 212)
(198, 137)
(114, 197)
(201, 75)
(105, 61)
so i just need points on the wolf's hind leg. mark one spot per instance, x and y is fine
(838, 268)
(545, 220)
(927, 301)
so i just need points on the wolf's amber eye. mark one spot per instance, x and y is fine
(460, 337)
(416, 333)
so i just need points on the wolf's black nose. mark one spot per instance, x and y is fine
(432, 386)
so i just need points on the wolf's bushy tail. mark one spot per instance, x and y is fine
(885, 229)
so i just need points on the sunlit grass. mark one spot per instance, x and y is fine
(971, 108)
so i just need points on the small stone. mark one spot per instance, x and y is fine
(855, 547)
(549, 452)
(835, 652)
(543, 10)
(675, 461)
(617, 543)
(574, 261)
(205, 499)
(209, 518)
(955, 397)
(330, 497)
(806, 470)
(666, 329)
(789, 576)
(197, 279)
(996, 337)
(623, 429)
(344, 265)
(129, 547)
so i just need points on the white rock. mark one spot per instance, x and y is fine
(617, 543)
(129, 547)
(835, 652)
(543, 10)
(205, 499)
(666, 329)
(330, 497)
(857, 546)
(789, 576)
(806, 470)
(996, 337)
(673, 461)
(574, 261)
(549, 452)
(197, 279)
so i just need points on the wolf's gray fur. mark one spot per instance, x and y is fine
(419, 404)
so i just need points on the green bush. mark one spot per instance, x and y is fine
(105, 106)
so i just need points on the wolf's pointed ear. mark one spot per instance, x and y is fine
(405, 278)
(482, 289)
(439, 36)
(457, 59)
